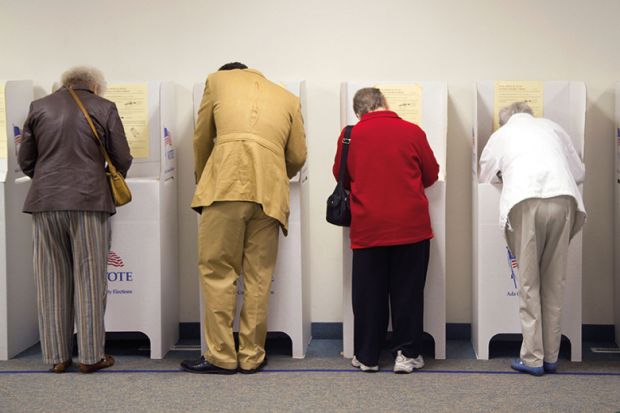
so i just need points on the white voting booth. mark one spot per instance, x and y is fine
(495, 294)
(289, 305)
(617, 232)
(426, 104)
(18, 304)
(142, 264)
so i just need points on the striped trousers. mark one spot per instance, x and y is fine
(70, 263)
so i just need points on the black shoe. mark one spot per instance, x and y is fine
(202, 366)
(256, 370)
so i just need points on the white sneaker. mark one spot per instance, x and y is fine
(404, 364)
(357, 364)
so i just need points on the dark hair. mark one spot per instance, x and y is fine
(232, 66)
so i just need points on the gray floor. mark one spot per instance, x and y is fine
(321, 382)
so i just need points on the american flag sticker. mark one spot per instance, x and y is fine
(512, 263)
(114, 260)
(167, 137)
(17, 134)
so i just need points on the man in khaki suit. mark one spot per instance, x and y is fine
(249, 141)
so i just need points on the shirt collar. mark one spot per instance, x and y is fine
(520, 115)
(379, 114)
(78, 88)
(256, 72)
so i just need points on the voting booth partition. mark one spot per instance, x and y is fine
(495, 288)
(617, 220)
(143, 290)
(425, 104)
(18, 304)
(289, 304)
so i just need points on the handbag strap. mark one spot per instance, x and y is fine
(75, 97)
(345, 153)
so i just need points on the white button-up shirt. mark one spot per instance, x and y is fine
(535, 158)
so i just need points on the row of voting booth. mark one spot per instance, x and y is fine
(143, 287)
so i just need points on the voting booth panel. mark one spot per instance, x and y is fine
(426, 104)
(142, 264)
(18, 304)
(495, 287)
(289, 305)
(617, 220)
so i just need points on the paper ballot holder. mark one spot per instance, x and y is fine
(426, 104)
(495, 285)
(18, 302)
(289, 304)
(142, 263)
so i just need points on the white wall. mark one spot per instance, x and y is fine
(326, 42)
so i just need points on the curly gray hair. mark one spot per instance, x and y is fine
(368, 99)
(517, 107)
(84, 76)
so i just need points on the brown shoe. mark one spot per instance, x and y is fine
(61, 367)
(104, 363)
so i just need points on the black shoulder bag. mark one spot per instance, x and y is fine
(338, 203)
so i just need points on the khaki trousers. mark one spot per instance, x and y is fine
(539, 240)
(236, 237)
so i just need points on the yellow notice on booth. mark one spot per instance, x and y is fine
(405, 100)
(509, 92)
(3, 142)
(133, 107)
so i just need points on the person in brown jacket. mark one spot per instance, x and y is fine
(249, 141)
(71, 204)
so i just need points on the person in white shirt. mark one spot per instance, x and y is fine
(541, 209)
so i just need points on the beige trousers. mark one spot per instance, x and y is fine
(538, 236)
(236, 237)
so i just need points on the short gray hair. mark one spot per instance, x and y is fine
(84, 76)
(367, 100)
(517, 107)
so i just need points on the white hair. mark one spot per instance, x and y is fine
(516, 107)
(84, 76)
(368, 99)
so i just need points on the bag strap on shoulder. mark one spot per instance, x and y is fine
(75, 97)
(346, 140)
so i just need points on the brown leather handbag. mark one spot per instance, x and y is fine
(118, 187)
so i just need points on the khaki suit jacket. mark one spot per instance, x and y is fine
(249, 140)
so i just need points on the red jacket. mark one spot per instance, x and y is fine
(389, 164)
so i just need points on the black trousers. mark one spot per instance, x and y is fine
(387, 278)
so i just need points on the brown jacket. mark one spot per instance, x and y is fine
(249, 141)
(59, 152)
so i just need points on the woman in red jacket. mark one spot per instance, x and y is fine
(389, 164)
